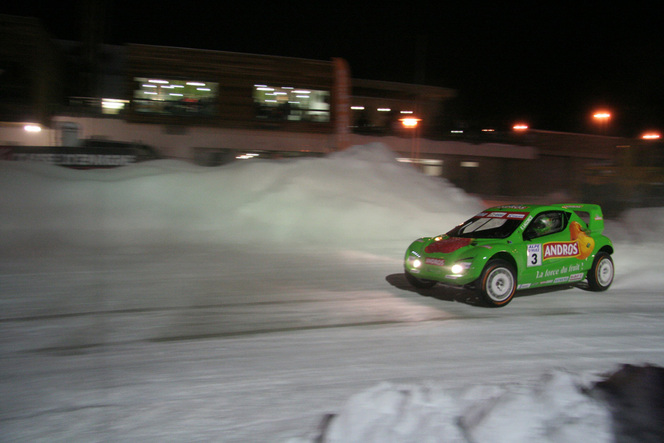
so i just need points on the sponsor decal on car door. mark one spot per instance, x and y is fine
(557, 257)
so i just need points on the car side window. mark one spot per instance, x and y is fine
(546, 223)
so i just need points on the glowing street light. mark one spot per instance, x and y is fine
(602, 118)
(651, 136)
(520, 127)
(410, 122)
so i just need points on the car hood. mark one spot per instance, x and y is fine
(457, 245)
(447, 245)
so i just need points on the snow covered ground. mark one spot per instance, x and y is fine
(264, 301)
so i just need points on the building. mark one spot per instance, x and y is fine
(213, 106)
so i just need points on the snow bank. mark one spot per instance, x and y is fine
(560, 407)
(361, 195)
(392, 412)
(555, 409)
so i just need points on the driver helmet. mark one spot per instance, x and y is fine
(543, 225)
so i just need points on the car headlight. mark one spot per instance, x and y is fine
(413, 260)
(460, 267)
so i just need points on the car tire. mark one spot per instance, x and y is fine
(601, 273)
(419, 282)
(497, 284)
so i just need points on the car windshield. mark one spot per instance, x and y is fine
(488, 225)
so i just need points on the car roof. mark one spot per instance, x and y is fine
(520, 208)
(538, 207)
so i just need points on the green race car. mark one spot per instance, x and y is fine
(512, 247)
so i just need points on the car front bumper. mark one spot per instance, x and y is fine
(441, 269)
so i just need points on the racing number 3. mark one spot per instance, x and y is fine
(534, 255)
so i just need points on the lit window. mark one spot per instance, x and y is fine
(112, 105)
(291, 103)
(175, 97)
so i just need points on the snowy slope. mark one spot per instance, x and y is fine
(361, 194)
(295, 244)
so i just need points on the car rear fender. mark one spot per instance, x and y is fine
(607, 248)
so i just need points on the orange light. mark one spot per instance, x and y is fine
(602, 115)
(520, 127)
(410, 122)
(650, 136)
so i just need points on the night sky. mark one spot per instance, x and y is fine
(551, 67)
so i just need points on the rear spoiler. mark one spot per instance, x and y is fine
(591, 214)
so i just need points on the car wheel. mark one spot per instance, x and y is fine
(419, 282)
(497, 284)
(600, 275)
